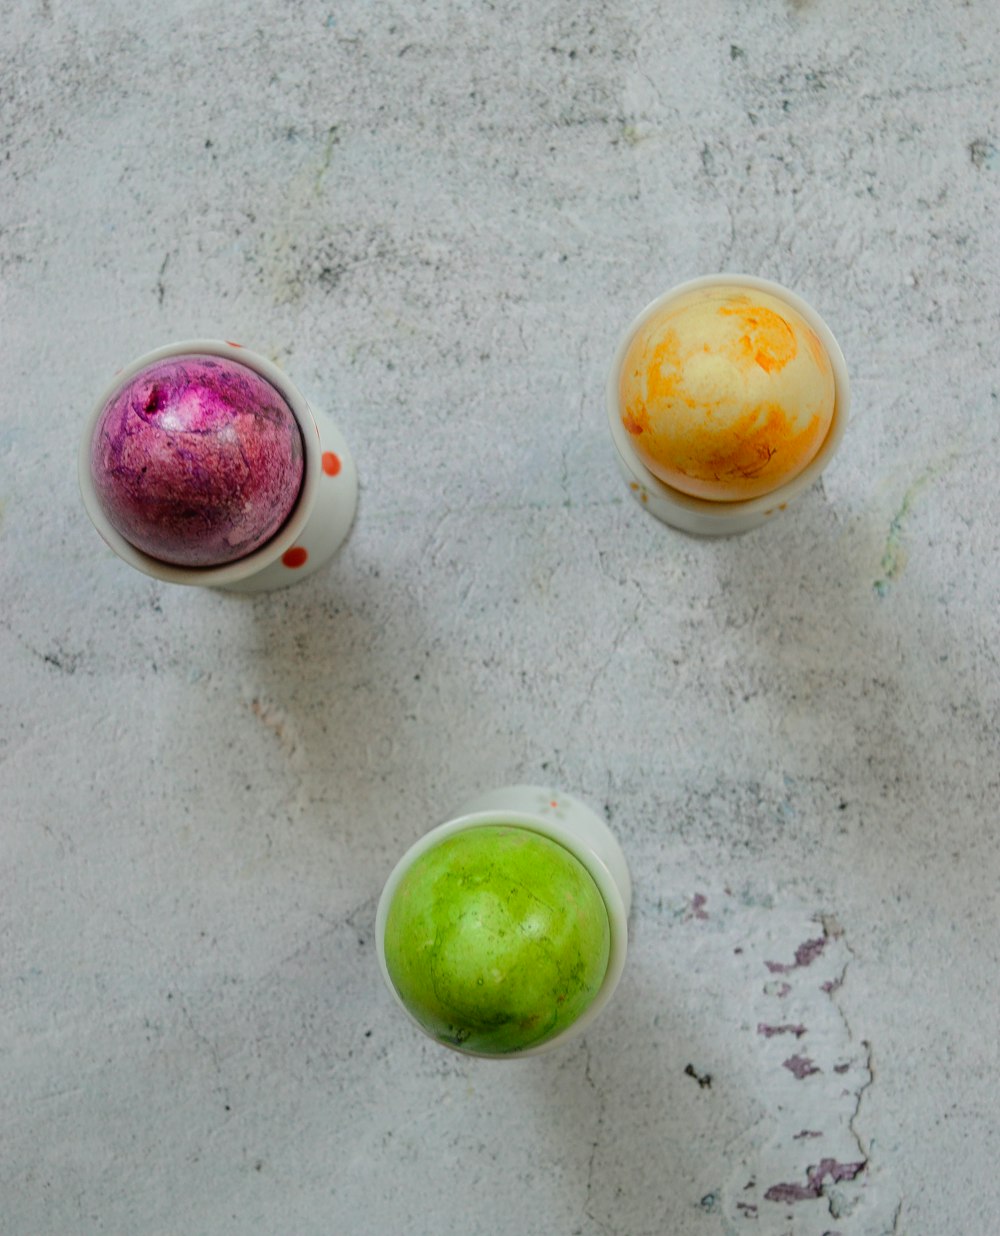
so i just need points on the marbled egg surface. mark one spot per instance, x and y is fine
(197, 460)
(497, 939)
(726, 393)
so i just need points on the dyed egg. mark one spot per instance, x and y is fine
(197, 460)
(497, 939)
(726, 393)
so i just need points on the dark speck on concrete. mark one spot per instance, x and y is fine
(982, 152)
(704, 1080)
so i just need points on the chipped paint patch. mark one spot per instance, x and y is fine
(770, 1031)
(800, 1067)
(806, 1150)
(698, 903)
(815, 1179)
(805, 955)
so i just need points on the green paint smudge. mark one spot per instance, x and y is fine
(894, 554)
(332, 139)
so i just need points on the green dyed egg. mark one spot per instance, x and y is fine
(497, 939)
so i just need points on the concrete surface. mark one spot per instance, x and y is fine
(438, 218)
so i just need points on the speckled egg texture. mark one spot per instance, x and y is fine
(726, 393)
(497, 939)
(197, 460)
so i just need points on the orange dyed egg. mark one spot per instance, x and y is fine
(726, 393)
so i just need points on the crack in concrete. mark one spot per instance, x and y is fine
(595, 1143)
(832, 930)
(209, 1046)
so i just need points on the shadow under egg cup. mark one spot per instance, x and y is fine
(569, 823)
(323, 512)
(703, 516)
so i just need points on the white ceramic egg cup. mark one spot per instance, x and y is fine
(570, 823)
(317, 526)
(702, 516)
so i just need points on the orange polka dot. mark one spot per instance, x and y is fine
(331, 463)
(294, 557)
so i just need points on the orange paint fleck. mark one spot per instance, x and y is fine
(553, 803)
(631, 423)
(295, 557)
(331, 463)
(664, 372)
(234, 345)
(767, 341)
(747, 448)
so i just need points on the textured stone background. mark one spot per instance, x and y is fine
(438, 218)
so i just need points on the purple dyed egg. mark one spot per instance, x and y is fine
(197, 460)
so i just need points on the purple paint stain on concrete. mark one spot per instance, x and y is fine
(806, 1133)
(831, 986)
(805, 955)
(197, 460)
(815, 1177)
(801, 1066)
(698, 903)
(770, 1031)
(841, 1068)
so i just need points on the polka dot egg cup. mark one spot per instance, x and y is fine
(556, 817)
(322, 515)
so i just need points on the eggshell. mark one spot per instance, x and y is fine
(497, 939)
(197, 460)
(726, 393)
